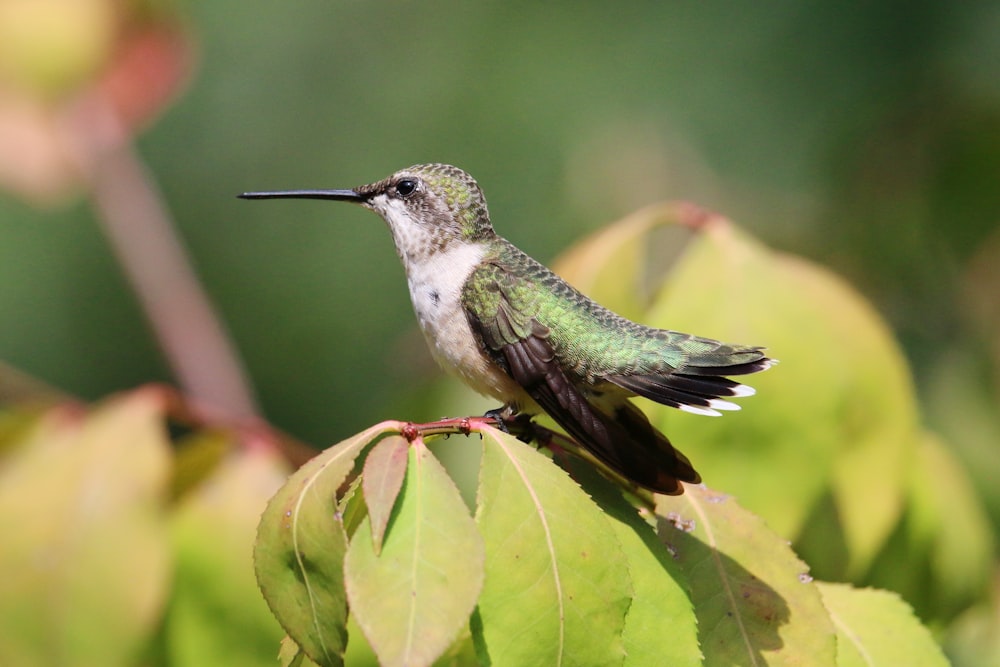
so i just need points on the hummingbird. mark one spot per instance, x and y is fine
(512, 329)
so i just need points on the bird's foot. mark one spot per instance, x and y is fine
(518, 424)
(502, 416)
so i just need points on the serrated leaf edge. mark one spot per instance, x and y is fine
(358, 441)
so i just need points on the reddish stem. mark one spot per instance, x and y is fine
(139, 228)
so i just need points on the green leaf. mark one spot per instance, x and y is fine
(876, 628)
(216, 614)
(412, 599)
(299, 553)
(661, 627)
(85, 551)
(385, 468)
(754, 602)
(557, 582)
(875, 421)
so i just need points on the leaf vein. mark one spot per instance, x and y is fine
(418, 501)
(720, 567)
(852, 636)
(548, 543)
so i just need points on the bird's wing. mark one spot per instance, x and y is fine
(503, 310)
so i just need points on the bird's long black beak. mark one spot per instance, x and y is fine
(333, 195)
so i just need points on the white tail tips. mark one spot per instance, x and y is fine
(715, 407)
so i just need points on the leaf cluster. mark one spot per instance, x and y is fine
(546, 570)
(120, 547)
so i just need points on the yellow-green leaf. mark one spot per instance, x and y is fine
(609, 265)
(85, 551)
(972, 639)
(299, 553)
(945, 504)
(835, 419)
(944, 538)
(837, 414)
(217, 615)
(413, 597)
(661, 627)
(557, 582)
(755, 603)
(877, 629)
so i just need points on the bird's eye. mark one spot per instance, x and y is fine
(406, 187)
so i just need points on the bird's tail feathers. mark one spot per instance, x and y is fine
(666, 463)
(700, 385)
(624, 440)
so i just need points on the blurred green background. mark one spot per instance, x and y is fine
(865, 138)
